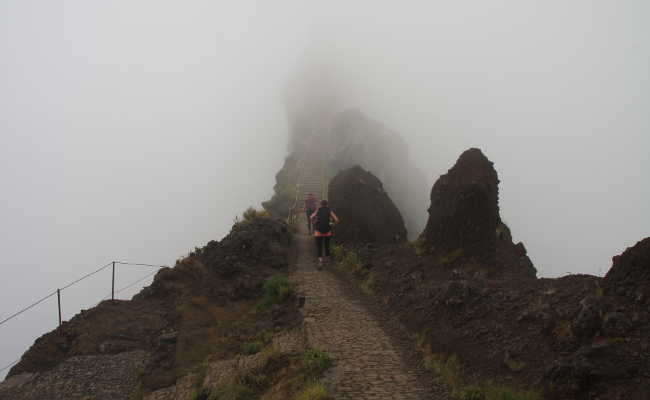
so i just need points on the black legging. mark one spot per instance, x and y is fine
(320, 241)
(309, 213)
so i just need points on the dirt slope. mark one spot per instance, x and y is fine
(203, 306)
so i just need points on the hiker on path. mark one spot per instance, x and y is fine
(323, 229)
(310, 208)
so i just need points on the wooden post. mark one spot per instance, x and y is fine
(113, 283)
(58, 295)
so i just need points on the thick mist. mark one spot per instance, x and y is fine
(138, 130)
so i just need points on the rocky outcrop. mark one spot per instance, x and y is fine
(464, 211)
(367, 213)
(464, 220)
(630, 273)
(356, 139)
(203, 306)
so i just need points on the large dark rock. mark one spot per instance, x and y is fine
(464, 218)
(590, 365)
(630, 273)
(464, 212)
(357, 139)
(366, 212)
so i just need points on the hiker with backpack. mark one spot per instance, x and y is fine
(310, 208)
(323, 229)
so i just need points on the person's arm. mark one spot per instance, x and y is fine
(313, 216)
(334, 217)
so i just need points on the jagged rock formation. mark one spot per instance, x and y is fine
(356, 139)
(464, 211)
(610, 331)
(630, 273)
(367, 213)
(464, 220)
(469, 296)
(204, 306)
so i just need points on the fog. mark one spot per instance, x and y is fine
(136, 130)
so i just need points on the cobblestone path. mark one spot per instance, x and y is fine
(367, 365)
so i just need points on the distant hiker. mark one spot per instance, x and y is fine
(322, 219)
(310, 208)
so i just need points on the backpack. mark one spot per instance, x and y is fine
(322, 223)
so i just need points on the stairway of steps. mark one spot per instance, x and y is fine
(311, 181)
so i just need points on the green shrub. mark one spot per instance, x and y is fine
(337, 251)
(252, 347)
(276, 290)
(316, 362)
(472, 394)
(447, 367)
(251, 213)
(353, 262)
(315, 391)
(258, 343)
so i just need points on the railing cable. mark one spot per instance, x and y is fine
(88, 275)
(28, 307)
(141, 264)
(131, 284)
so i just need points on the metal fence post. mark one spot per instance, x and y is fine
(113, 283)
(58, 295)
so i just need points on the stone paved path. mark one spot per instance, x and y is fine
(367, 365)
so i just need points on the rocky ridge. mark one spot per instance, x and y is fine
(202, 311)
(470, 300)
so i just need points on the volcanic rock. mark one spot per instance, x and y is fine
(464, 218)
(357, 139)
(630, 273)
(187, 311)
(464, 212)
(367, 213)
(591, 363)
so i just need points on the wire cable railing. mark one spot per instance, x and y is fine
(57, 292)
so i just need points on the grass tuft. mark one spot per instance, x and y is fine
(276, 290)
(450, 257)
(316, 362)
(338, 251)
(315, 391)
(447, 367)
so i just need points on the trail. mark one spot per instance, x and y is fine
(367, 363)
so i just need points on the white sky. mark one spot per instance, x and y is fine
(138, 129)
